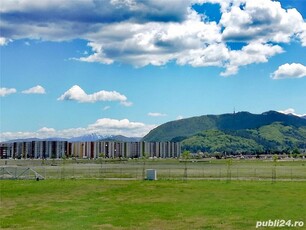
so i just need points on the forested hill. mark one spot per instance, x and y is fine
(181, 129)
(238, 132)
(275, 137)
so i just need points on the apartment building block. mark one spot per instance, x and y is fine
(91, 149)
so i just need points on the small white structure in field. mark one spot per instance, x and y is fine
(151, 174)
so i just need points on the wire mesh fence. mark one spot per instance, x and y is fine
(166, 169)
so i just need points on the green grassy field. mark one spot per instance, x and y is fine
(166, 204)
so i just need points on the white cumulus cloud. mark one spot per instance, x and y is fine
(46, 130)
(116, 124)
(4, 41)
(144, 33)
(7, 91)
(294, 70)
(35, 90)
(261, 20)
(76, 93)
(291, 111)
(252, 53)
(103, 126)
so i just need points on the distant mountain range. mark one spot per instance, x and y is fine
(237, 132)
(84, 138)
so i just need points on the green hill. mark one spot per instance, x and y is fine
(218, 141)
(270, 138)
(239, 132)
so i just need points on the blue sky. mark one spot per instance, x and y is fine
(71, 68)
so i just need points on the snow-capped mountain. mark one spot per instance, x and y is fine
(89, 137)
(97, 137)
